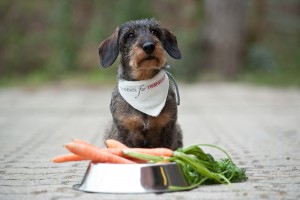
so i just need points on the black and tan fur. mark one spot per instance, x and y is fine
(142, 45)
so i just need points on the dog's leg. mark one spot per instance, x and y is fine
(128, 124)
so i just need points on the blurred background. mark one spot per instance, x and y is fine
(256, 41)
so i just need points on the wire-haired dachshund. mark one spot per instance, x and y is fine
(143, 105)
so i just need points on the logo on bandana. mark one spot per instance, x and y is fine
(147, 96)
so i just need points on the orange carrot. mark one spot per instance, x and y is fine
(119, 152)
(67, 158)
(155, 151)
(96, 155)
(84, 142)
(73, 157)
(111, 143)
(115, 151)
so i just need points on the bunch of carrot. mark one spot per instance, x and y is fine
(115, 152)
(197, 166)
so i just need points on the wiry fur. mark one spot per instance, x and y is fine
(130, 126)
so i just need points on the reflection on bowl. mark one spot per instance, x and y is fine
(131, 178)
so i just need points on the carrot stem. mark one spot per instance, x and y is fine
(154, 151)
(143, 156)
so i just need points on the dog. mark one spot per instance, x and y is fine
(150, 122)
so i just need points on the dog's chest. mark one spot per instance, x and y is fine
(139, 122)
(157, 123)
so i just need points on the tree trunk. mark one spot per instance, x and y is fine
(225, 36)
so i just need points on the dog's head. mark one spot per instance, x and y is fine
(142, 45)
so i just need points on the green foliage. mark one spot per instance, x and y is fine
(198, 167)
(53, 40)
(274, 61)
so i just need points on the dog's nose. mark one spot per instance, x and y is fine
(148, 47)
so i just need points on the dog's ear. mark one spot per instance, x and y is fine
(109, 50)
(170, 44)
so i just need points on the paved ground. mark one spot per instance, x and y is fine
(260, 127)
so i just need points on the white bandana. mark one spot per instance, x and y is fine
(148, 96)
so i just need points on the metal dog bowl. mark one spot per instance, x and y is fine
(131, 178)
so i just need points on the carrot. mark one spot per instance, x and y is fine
(154, 152)
(84, 142)
(67, 158)
(115, 151)
(111, 143)
(96, 155)
(116, 148)
(74, 157)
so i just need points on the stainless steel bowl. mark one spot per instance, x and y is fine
(131, 178)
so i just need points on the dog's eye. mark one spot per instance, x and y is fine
(155, 32)
(130, 35)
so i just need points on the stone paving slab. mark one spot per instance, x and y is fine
(258, 126)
